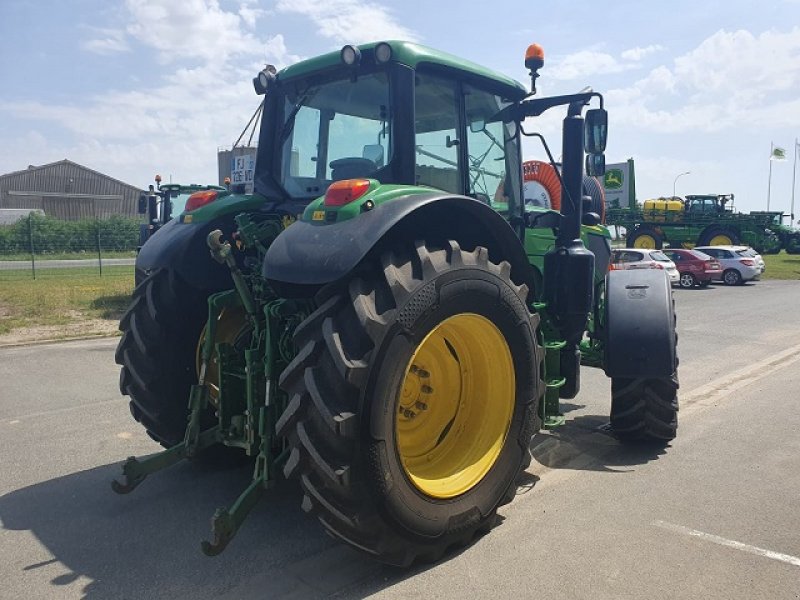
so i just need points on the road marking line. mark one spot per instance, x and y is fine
(710, 393)
(787, 558)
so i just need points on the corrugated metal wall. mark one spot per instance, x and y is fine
(68, 191)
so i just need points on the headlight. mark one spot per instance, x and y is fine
(383, 53)
(351, 55)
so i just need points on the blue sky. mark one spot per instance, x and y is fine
(136, 87)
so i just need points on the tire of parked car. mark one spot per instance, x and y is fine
(732, 277)
(687, 280)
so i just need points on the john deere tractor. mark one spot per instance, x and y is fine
(384, 320)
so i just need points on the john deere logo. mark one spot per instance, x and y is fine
(613, 179)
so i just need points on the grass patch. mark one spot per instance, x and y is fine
(782, 266)
(63, 296)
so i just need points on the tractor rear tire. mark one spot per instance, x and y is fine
(644, 410)
(645, 237)
(397, 450)
(157, 352)
(719, 236)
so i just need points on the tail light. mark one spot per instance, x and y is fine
(199, 199)
(345, 191)
(748, 262)
(656, 265)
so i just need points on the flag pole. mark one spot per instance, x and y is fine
(769, 180)
(794, 172)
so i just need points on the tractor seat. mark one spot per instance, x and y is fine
(351, 168)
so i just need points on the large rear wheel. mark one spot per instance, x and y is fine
(413, 399)
(157, 352)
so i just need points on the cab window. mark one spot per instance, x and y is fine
(436, 132)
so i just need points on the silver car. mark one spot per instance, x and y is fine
(739, 263)
(644, 258)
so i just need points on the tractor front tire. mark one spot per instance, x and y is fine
(644, 410)
(157, 352)
(412, 402)
(645, 238)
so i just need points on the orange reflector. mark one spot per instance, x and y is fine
(345, 191)
(199, 199)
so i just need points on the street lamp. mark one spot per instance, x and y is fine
(676, 181)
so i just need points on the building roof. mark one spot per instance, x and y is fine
(67, 163)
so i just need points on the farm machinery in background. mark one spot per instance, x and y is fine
(161, 202)
(386, 319)
(697, 220)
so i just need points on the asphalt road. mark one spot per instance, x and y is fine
(17, 265)
(715, 515)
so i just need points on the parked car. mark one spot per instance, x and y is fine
(739, 263)
(694, 267)
(748, 251)
(643, 258)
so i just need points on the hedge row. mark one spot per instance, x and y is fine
(51, 235)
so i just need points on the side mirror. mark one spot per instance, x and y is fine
(595, 131)
(595, 165)
(142, 207)
(590, 219)
(545, 219)
(477, 126)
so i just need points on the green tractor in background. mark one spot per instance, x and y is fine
(384, 319)
(789, 236)
(161, 202)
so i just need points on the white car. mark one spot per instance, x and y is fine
(739, 263)
(643, 258)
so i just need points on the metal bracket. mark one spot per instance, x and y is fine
(135, 470)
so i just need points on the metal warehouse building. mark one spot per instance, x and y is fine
(68, 191)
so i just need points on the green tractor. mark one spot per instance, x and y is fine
(700, 220)
(161, 202)
(789, 236)
(384, 319)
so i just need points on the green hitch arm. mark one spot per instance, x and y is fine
(222, 253)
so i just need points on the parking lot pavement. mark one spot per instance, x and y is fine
(714, 515)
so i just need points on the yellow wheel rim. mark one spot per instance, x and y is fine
(720, 240)
(455, 406)
(231, 326)
(645, 241)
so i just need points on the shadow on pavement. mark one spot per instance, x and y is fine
(584, 443)
(147, 544)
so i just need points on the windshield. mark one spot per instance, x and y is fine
(659, 256)
(334, 130)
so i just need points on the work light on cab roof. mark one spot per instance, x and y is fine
(264, 79)
(534, 60)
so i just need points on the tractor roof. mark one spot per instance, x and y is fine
(413, 55)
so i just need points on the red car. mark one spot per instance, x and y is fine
(695, 267)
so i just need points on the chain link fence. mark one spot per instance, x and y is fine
(38, 246)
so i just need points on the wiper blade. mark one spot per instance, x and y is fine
(288, 125)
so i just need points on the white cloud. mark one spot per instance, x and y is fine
(638, 53)
(108, 41)
(586, 63)
(349, 21)
(730, 80)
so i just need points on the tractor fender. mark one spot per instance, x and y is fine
(639, 325)
(311, 255)
(182, 248)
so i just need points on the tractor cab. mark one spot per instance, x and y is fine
(709, 204)
(399, 113)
